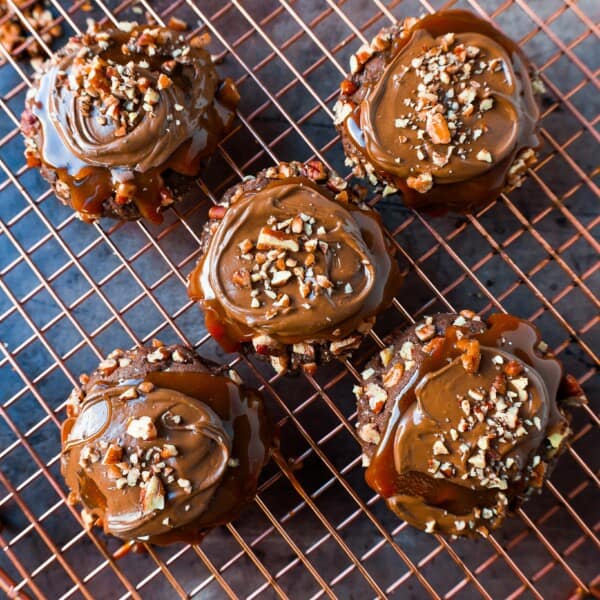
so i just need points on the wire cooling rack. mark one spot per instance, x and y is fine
(70, 292)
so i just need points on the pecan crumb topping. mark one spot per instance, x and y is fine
(495, 411)
(291, 250)
(13, 32)
(123, 93)
(142, 467)
(446, 94)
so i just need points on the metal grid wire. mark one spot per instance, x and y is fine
(70, 292)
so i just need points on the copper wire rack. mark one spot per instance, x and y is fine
(71, 292)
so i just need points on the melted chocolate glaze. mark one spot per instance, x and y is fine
(460, 180)
(460, 447)
(212, 438)
(102, 167)
(349, 251)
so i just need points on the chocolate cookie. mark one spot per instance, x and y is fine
(294, 267)
(461, 420)
(116, 110)
(441, 108)
(162, 446)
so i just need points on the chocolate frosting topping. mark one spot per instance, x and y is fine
(391, 125)
(445, 112)
(165, 458)
(471, 432)
(117, 108)
(290, 262)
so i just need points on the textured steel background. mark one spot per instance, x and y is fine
(70, 292)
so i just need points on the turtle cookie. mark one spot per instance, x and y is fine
(461, 420)
(118, 112)
(442, 109)
(161, 446)
(294, 268)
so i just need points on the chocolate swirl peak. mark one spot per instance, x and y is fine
(453, 105)
(167, 457)
(290, 262)
(473, 429)
(117, 107)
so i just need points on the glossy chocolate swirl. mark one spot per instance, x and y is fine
(119, 107)
(471, 432)
(290, 262)
(165, 458)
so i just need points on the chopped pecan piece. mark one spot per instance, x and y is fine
(471, 356)
(279, 363)
(425, 332)
(107, 366)
(386, 355)
(113, 455)
(152, 496)
(513, 368)
(393, 376)
(241, 278)
(88, 518)
(315, 170)
(146, 387)
(142, 428)
(348, 87)
(177, 24)
(272, 239)
(437, 128)
(264, 344)
(368, 433)
(377, 397)
(422, 183)
(499, 384)
(280, 278)
(342, 346)
(434, 345)
(217, 212)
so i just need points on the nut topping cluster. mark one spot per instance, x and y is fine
(13, 32)
(498, 408)
(446, 94)
(123, 93)
(144, 468)
(286, 251)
